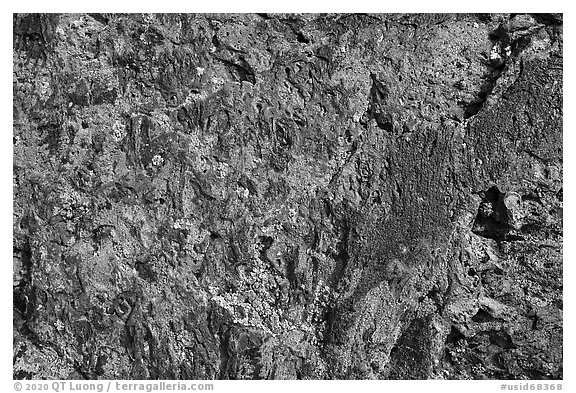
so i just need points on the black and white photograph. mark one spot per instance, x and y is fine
(287, 196)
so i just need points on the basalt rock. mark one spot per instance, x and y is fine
(278, 196)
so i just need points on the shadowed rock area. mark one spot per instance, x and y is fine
(279, 196)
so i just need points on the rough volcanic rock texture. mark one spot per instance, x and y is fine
(287, 196)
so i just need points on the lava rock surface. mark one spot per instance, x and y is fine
(279, 196)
